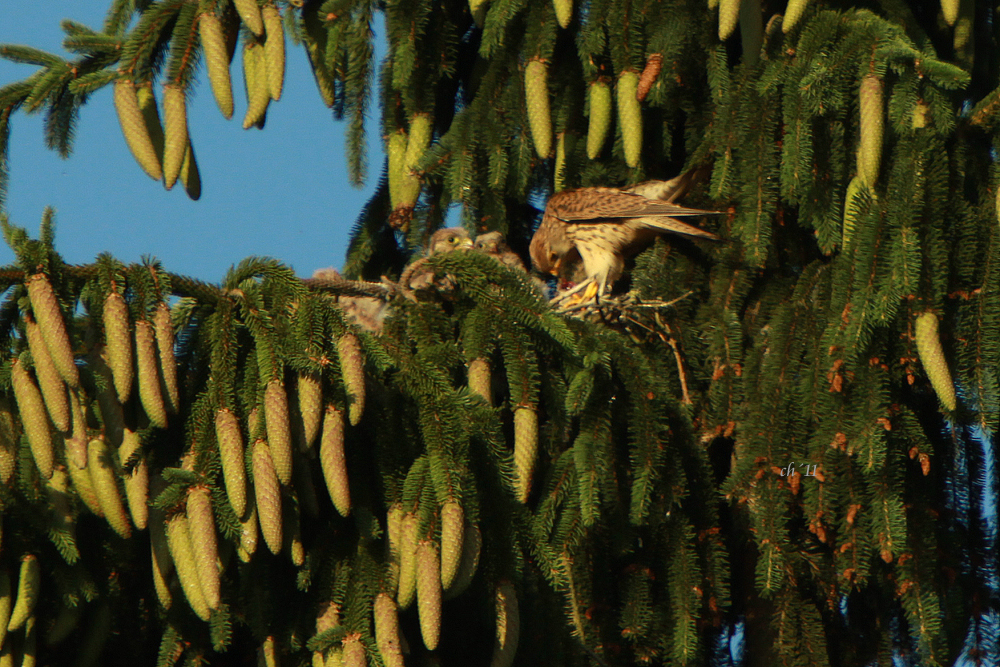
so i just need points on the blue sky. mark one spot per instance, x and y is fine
(281, 192)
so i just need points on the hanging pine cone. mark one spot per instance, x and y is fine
(508, 626)
(227, 435)
(333, 461)
(310, 394)
(182, 553)
(49, 381)
(630, 117)
(149, 374)
(175, 132)
(217, 61)
(452, 527)
(429, 593)
(118, 344)
(134, 129)
(136, 482)
(525, 448)
(255, 80)
(274, 50)
(33, 416)
(164, 331)
(201, 524)
(600, 117)
(872, 110)
(352, 369)
(250, 14)
(932, 357)
(536, 95)
(268, 495)
(101, 469)
(48, 314)
(279, 435)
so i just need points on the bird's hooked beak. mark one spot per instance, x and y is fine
(464, 244)
(556, 266)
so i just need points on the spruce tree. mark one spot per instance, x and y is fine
(777, 450)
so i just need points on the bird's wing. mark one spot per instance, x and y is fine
(668, 224)
(595, 203)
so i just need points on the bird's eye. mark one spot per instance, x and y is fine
(451, 239)
(552, 257)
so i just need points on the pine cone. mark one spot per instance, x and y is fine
(175, 132)
(872, 105)
(525, 448)
(279, 436)
(48, 314)
(151, 116)
(201, 524)
(268, 495)
(134, 129)
(28, 585)
(255, 80)
(136, 483)
(395, 149)
(274, 50)
(354, 651)
(950, 10)
(508, 626)
(217, 61)
(75, 445)
(932, 357)
(85, 487)
(352, 368)
(472, 542)
(536, 94)
(33, 416)
(119, 344)
(168, 365)
(452, 527)
(249, 13)
(654, 63)
(600, 118)
(49, 381)
(564, 12)
(429, 593)
(729, 15)
(310, 395)
(9, 437)
(410, 524)
(333, 461)
(630, 117)
(249, 534)
(227, 435)
(182, 553)
(149, 374)
(101, 469)
(794, 11)
(387, 631)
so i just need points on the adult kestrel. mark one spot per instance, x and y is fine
(494, 245)
(603, 226)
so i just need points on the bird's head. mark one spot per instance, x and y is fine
(447, 240)
(549, 247)
(490, 243)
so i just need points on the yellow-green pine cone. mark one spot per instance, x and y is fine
(27, 592)
(335, 657)
(268, 495)
(255, 78)
(932, 357)
(310, 394)
(201, 523)
(429, 593)
(279, 435)
(45, 307)
(267, 653)
(452, 528)
(101, 468)
(76, 443)
(950, 10)
(536, 97)
(49, 381)
(352, 368)
(480, 379)
(217, 61)
(393, 533)
(6, 604)
(559, 173)
(182, 553)
(525, 448)
(333, 461)
(9, 437)
(149, 374)
(564, 11)
(190, 176)
(387, 630)
(85, 487)
(175, 132)
(227, 435)
(600, 118)
(794, 11)
(870, 97)
(249, 535)
(508, 626)
(854, 189)
(151, 115)
(134, 129)
(253, 424)
(410, 524)
(163, 564)
(472, 542)
(729, 14)
(164, 331)
(136, 482)
(274, 50)
(354, 651)
(417, 142)
(630, 117)
(396, 152)
(119, 344)
(249, 12)
(29, 647)
(296, 550)
(478, 10)
(34, 418)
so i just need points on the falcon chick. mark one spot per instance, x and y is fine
(449, 239)
(603, 226)
(493, 244)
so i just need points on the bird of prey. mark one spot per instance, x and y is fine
(417, 276)
(602, 226)
(493, 244)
